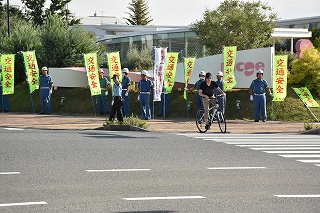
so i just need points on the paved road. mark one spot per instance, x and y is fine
(100, 171)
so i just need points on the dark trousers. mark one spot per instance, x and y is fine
(116, 108)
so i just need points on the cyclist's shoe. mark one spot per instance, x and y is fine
(207, 126)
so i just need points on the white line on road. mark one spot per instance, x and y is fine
(300, 156)
(19, 129)
(226, 168)
(23, 204)
(297, 196)
(118, 170)
(272, 143)
(309, 161)
(293, 152)
(280, 145)
(164, 198)
(317, 164)
(287, 148)
(10, 173)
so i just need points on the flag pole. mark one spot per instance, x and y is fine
(25, 69)
(94, 109)
(306, 106)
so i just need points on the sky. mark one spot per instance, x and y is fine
(183, 12)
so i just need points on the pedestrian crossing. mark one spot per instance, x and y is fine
(301, 148)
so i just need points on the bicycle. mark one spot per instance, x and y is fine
(217, 116)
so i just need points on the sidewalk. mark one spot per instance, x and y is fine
(82, 122)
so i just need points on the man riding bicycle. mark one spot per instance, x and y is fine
(206, 91)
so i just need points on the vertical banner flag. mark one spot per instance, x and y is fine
(158, 72)
(91, 64)
(32, 69)
(280, 77)
(305, 95)
(229, 63)
(188, 67)
(7, 63)
(171, 69)
(114, 66)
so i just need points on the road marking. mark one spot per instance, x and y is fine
(300, 156)
(10, 173)
(23, 204)
(118, 170)
(19, 129)
(309, 161)
(273, 142)
(281, 145)
(226, 168)
(317, 164)
(297, 196)
(286, 148)
(164, 198)
(292, 152)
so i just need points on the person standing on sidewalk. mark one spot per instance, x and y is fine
(258, 96)
(202, 75)
(126, 82)
(117, 100)
(206, 92)
(144, 87)
(221, 99)
(46, 88)
(102, 100)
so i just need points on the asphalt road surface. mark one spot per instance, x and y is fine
(129, 172)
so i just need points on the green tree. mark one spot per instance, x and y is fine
(38, 13)
(246, 25)
(63, 47)
(315, 39)
(139, 14)
(138, 60)
(306, 70)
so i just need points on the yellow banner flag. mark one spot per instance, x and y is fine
(229, 63)
(7, 63)
(91, 64)
(170, 73)
(188, 68)
(32, 69)
(114, 66)
(280, 77)
(305, 95)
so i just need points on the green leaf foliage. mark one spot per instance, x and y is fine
(246, 25)
(139, 13)
(306, 70)
(138, 59)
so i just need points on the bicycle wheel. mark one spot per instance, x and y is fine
(200, 123)
(221, 121)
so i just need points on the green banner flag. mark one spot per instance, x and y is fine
(229, 63)
(32, 70)
(306, 96)
(280, 77)
(170, 73)
(91, 64)
(7, 64)
(188, 68)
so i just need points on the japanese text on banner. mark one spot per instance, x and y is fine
(229, 63)
(91, 64)
(188, 68)
(170, 74)
(32, 70)
(306, 96)
(7, 64)
(114, 65)
(280, 77)
(158, 72)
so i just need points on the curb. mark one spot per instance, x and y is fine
(118, 127)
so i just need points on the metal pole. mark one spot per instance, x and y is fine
(8, 14)
(94, 109)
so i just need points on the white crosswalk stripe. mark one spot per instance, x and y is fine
(302, 148)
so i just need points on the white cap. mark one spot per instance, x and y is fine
(220, 74)
(259, 71)
(45, 68)
(125, 70)
(202, 73)
(101, 70)
(143, 72)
